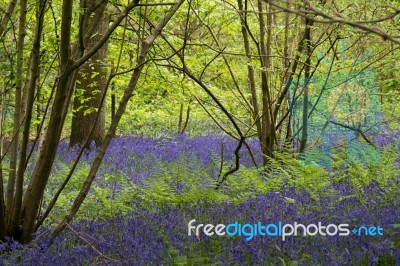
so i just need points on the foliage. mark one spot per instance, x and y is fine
(213, 61)
(148, 189)
(146, 236)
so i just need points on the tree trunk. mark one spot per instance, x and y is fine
(46, 155)
(307, 44)
(250, 72)
(3, 224)
(17, 110)
(114, 123)
(7, 15)
(267, 122)
(91, 79)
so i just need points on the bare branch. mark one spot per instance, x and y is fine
(330, 19)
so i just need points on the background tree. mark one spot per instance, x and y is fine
(279, 44)
(25, 202)
(234, 57)
(92, 76)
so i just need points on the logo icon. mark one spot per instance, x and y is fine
(343, 107)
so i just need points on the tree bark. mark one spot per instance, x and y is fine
(30, 87)
(7, 15)
(91, 79)
(307, 44)
(64, 88)
(41, 171)
(120, 111)
(3, 224)
(17, 109)
(267, 121)
(250, 72)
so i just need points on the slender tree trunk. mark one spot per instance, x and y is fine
(250, 73)
(7, 15)
(120, 111)
(46, 155)
(113, 101)
(267, 125)
(186, 119)
(307, 43)
(64, 88)
(180, 119)
(3, 224)
(30, 86)
(17, 109)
